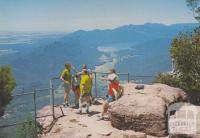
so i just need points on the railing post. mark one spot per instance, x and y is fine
(95, 78)
(35, 111)
(50, 91)
(52, 98)
(128, 77)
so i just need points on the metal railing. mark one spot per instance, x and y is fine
(144, 79)
(33, 93)
(52, 90)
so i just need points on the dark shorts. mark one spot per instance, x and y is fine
(110, 99)
(76, 88)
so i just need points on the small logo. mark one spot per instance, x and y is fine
(182, 119)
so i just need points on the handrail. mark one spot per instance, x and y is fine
(109, 73)
(21, 94)
(35, 115)
(98, 72)
(142, 76)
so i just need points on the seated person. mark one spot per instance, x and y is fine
(111, 72)
(115, 91)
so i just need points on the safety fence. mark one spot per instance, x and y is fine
(27, 104)
(23, 110)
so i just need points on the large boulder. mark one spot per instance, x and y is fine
(145, 110)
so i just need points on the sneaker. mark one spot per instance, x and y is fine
(87, 111)
(90, 103)
(79, 112)
(65, 104)
(99, 118)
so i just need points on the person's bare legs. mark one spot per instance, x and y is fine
(80, 104)
(76, 92)
(88, 103)
(65, 97)
(66, 94)
(105, 108)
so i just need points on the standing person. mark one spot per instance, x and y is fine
(115, 91)
(76, 88)
(90, 73)
(66, 78)
(85, 89)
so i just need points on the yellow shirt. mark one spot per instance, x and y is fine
(66, 75)
(85, 85)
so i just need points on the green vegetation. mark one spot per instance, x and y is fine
(194, 5)
(27, 130)
(7, 84)
(185, 51)
(168, 79)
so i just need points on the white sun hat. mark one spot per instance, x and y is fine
(112, 76)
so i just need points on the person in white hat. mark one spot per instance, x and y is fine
(112, 73)
(115, 91)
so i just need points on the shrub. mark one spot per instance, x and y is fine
(7, 84)
(27, 130)
(168, 79)
(186, 54)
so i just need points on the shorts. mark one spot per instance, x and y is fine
(84, 98)
(67, 87)
(76, 88)
(110, 99)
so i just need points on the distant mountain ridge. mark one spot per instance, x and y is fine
(79, 47)
(129, 33)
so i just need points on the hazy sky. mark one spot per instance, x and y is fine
(70, 15)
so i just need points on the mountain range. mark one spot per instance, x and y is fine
(148, 51)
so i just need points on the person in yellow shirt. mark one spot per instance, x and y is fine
(66, 77)
(85, 90)
(90, 73)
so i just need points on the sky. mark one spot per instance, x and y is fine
(71, 15)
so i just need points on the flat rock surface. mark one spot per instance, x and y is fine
(73, 125)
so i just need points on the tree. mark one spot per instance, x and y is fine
(7, 84)
(186, 53)
(194, 5)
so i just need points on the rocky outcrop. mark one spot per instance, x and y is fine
(132, 134)
(73, 125)
(145, 110)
